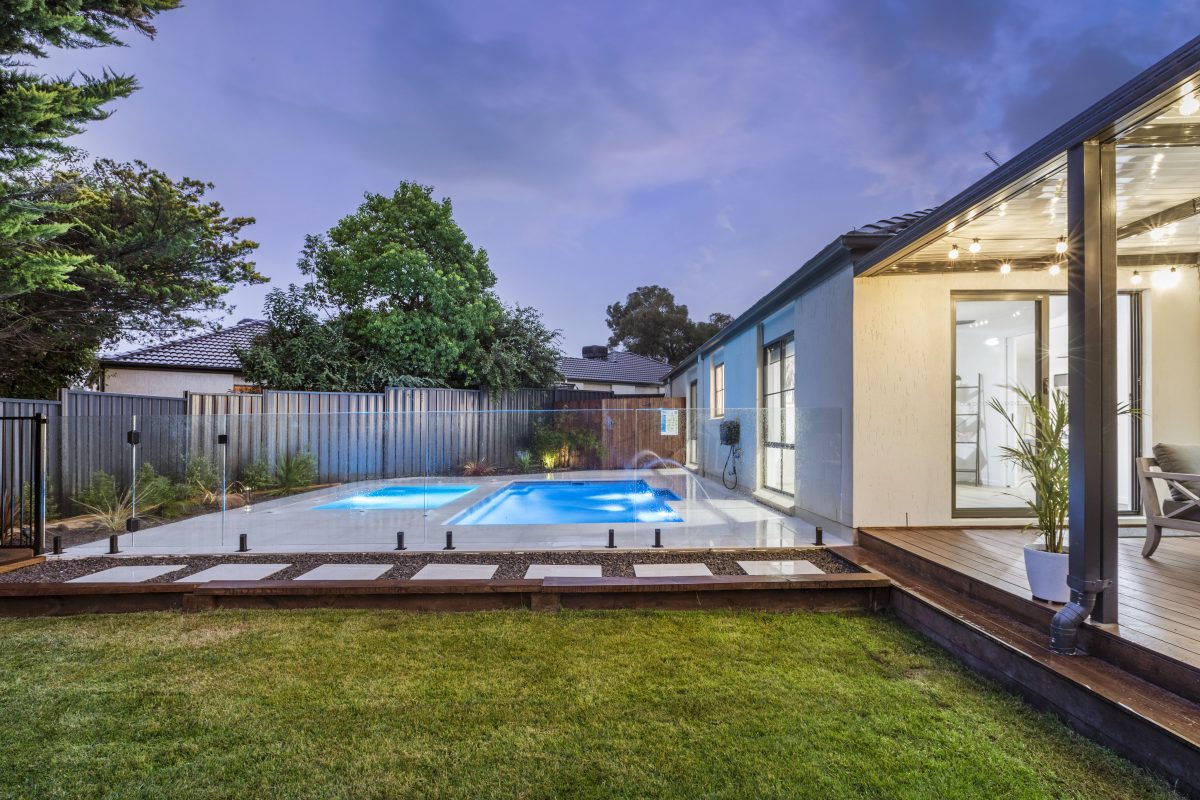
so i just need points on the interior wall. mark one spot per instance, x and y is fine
(1171, 321)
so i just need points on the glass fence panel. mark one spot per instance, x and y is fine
(650, 470)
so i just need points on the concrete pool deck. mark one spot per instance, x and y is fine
(713, 517)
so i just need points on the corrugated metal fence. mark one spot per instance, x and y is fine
(353, 436)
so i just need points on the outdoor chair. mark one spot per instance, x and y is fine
(1177, 466)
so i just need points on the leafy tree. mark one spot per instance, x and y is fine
(518, 351)
(650, 323)
(155, 254)
(37, 112)
(398, 296)
(301, 351)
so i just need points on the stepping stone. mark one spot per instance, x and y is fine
(234, 572)
(670, 570)
(800, 567)
(563, 571)
(128, 574)
(345, 572)
(455, 572)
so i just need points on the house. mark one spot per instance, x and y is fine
(614, 371)
(205, 363)
(867, 383)
(208, 364)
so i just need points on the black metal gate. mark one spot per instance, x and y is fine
(23, 482)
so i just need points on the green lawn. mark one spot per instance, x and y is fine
(639, 705)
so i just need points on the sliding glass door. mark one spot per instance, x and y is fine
(779, 411)
(1006, 341)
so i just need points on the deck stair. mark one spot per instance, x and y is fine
(1139, 706)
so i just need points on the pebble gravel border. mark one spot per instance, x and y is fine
(511, 566)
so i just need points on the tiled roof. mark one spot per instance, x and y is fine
(206, 351)
(893, 225)
(617, 368)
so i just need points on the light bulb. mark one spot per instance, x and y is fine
(1005, 268)
(1055, 269)
(1060, 247)
(1136, 278)
(1165, 279)
(992, 341)
(1156, 233)
(1189, 105)
(953, 254)
(974, 247)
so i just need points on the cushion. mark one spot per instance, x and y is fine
(1179, 458)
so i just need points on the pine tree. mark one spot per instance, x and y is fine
(37, 113)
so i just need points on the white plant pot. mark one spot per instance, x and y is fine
(1047, 573)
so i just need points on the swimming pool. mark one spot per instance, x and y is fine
(401, 498)
(571, 502)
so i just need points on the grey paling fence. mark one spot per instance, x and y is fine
(353, 436)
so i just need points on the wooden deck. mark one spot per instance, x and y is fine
(1159, 598)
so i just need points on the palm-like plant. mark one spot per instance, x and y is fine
(1042, 454)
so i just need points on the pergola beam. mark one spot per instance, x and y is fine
(1182, 211)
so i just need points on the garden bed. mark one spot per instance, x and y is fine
(511, 566)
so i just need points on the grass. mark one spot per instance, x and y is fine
(371, 704)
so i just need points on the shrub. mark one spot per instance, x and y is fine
(526, 461)
(257, 475)
(202, 480)
(295, 473)
(478, 468)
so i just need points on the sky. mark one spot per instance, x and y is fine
(708, 146)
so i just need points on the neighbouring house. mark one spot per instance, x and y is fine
(203, 364)
(614, 371)
(864, 382)
(207, 364)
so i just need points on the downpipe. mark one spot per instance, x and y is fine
(1064, 628)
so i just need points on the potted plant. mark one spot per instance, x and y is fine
(1042, 454)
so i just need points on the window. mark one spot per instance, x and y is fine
(693, 433)
(718, 390)
(1005, 340)
(779, 423)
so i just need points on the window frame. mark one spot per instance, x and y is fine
(718, 394)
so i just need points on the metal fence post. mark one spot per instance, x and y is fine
(39, 483)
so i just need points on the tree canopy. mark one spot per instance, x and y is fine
(38, 112)
(650, 323)
(154, 254)
(397, 295)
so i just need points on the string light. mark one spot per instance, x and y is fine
(975, 246)
(953, 254)
(1136, 278)
(1005, 268)
(1060, 247)
(1055, 268)
(1166, 279)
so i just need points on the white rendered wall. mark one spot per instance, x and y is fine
(903, 329)
(168, 383)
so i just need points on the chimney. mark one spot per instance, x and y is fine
(595, 352)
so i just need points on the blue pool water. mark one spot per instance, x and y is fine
(571, 502)
(402, 498)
